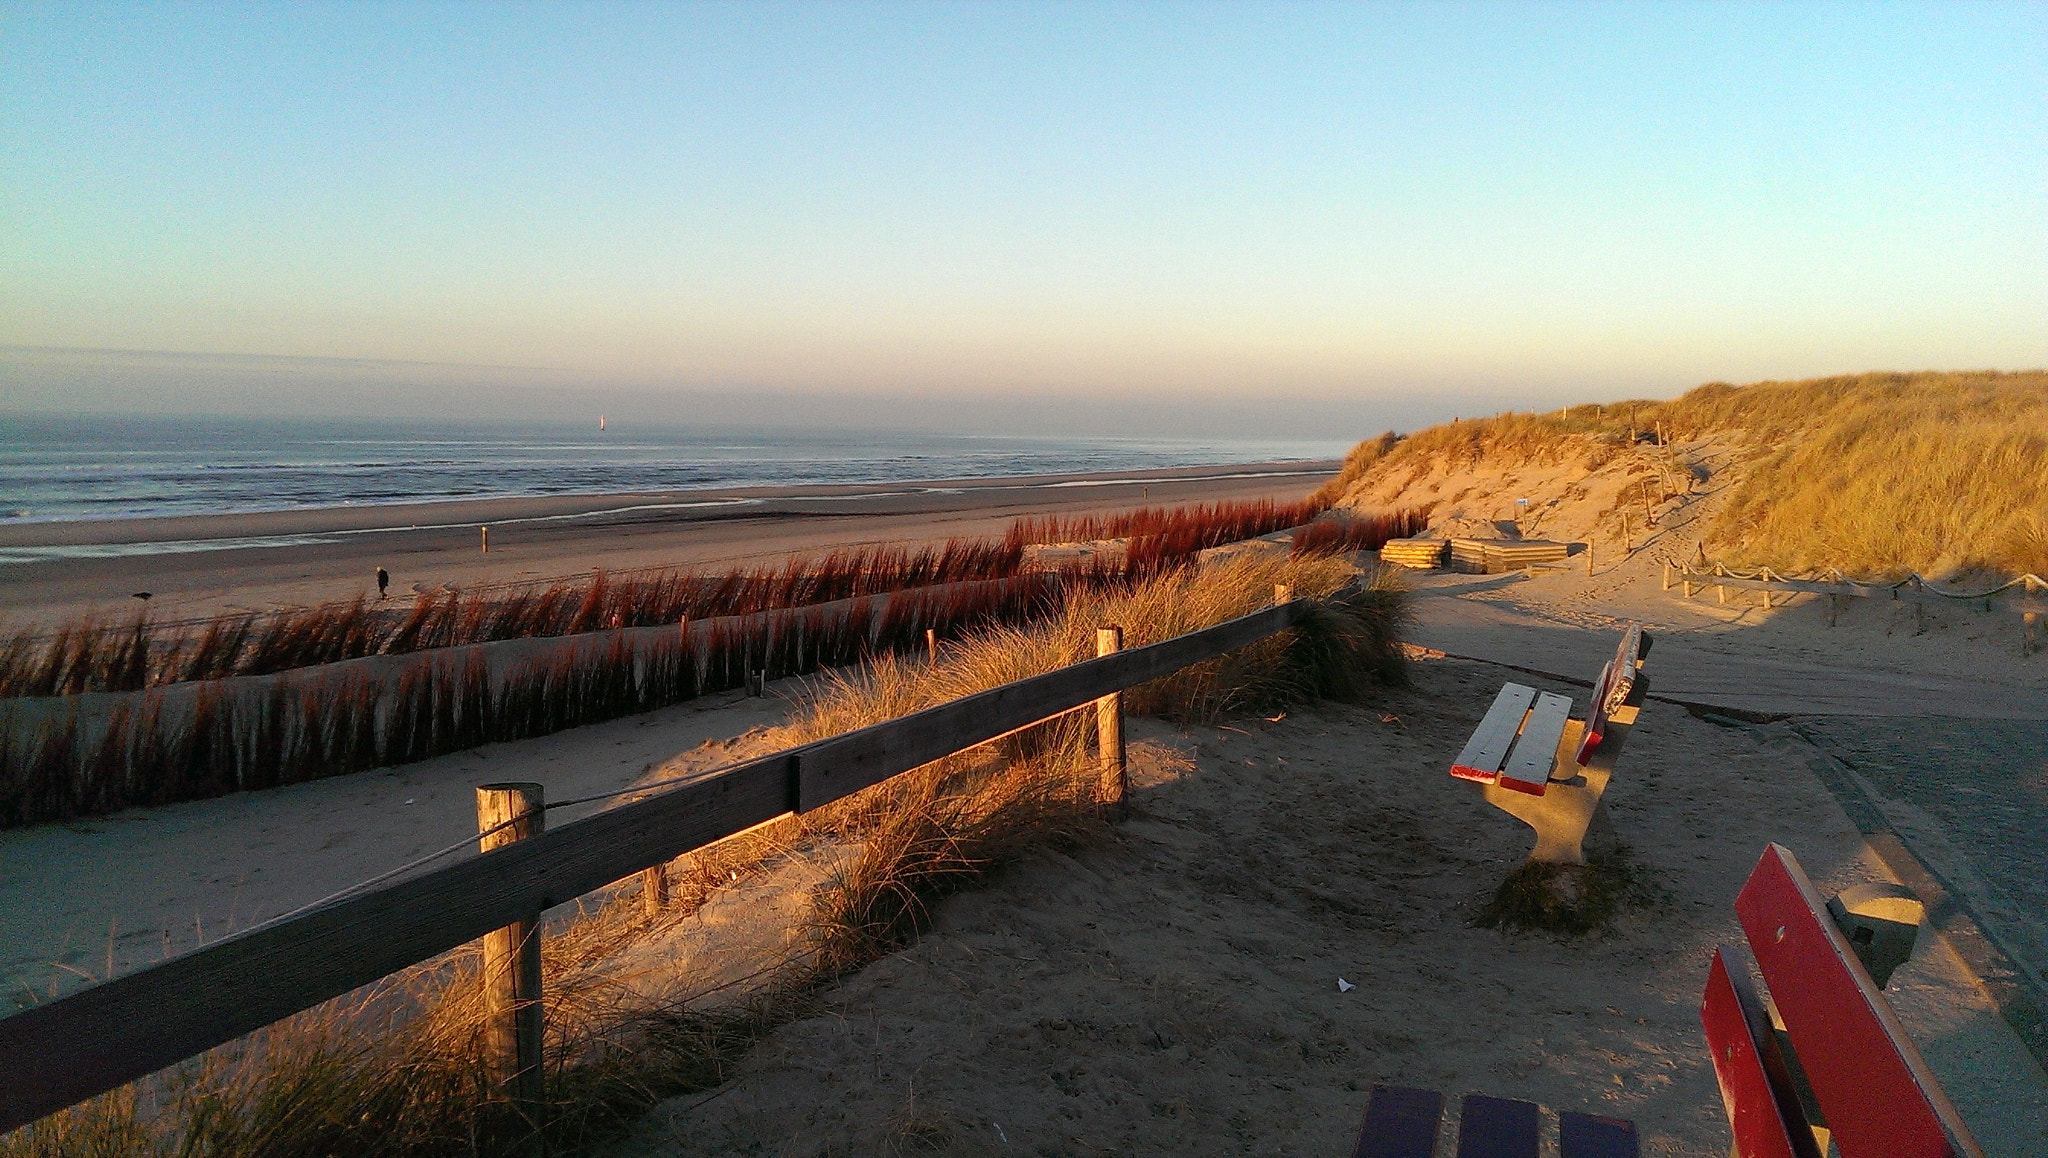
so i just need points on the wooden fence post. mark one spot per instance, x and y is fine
(654, 889)
(512, 998)
(931, 642)
(1667, 576)
(1109, 732)
(1589, 556)
(1282, 593)
(486, 533)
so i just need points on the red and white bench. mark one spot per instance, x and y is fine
(1538, 765)
(1818, 1052)
(1404, 1123)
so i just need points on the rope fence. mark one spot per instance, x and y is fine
(1835, 586)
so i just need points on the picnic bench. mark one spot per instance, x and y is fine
(1816, 1055)
(1403, 1123)
(1534, 762)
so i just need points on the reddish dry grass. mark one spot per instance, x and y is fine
(1210, 524)
(1336, 534)
(225, 739)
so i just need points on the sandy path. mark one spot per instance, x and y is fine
(114, 893)
(1172, 989)
(547, 539)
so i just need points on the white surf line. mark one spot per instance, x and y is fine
(258, 542)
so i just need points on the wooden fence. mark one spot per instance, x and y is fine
(1912, 590)
(99, 1038)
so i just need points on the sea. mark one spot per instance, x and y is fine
(62, 469)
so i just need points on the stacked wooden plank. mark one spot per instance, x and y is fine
(1420, 554)
(1515, 554)
(1492, 556)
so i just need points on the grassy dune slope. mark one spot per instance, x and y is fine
(1935, 472)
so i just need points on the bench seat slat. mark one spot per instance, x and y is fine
(1400, 1123)
(1763, 1112)
(1528, 766)
(1880, 1099)
(1592, 1136)
(1497, 1128)
(1488, 747)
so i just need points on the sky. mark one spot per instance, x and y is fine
(1032, 216)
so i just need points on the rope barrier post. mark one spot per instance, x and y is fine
(512, 995)
(1115, 779)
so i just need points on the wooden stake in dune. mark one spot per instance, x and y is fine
(486, 536)
(654, 889)
(1109, 731)
(512, 1005)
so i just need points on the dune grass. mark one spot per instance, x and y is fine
(1341, 532)
(1938, 473)
(393, 1070)
(223, 738)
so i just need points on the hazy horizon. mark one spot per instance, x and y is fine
(1008, 217)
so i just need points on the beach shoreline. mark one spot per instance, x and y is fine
(197, 566)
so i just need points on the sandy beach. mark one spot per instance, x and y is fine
(302, 557)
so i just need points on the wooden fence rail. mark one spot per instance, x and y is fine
(96, 1039)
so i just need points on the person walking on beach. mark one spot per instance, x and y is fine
(383, 581)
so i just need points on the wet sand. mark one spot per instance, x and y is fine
(296, 558)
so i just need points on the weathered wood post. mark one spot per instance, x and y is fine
(654, 889)
(1282, 594)
(1109, 732)
(1667, 576)
(1589, 556)
(931, 642)
(511, 977)
(1626, 549)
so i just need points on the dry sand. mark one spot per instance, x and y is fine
(1173, 987)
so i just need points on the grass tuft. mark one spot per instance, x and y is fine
(1573, 900)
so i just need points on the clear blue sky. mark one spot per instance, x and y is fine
(1550, 203)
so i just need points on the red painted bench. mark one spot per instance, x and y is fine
(1404, 1123)
(1833, 1060)
(1534, 762)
